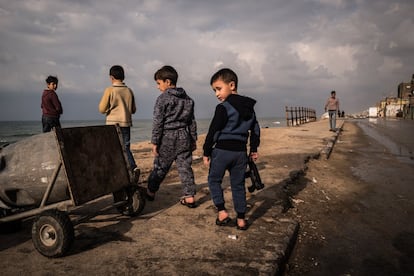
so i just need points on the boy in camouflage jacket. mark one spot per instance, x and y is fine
(174, 135)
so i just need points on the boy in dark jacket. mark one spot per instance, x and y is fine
(174, 135)
(51, 106)
(225, 147)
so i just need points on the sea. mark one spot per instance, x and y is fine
(14, 131)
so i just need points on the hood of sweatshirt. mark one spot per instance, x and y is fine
(177, 92)
(244, 105)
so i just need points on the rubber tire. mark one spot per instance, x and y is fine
(52, 233)
(135, 201)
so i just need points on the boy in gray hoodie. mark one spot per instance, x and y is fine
(174, 135)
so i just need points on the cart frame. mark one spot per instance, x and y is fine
(95, 164)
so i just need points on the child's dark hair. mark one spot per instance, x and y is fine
(117, 72)
(51, 79)
(167, 72)
(227, 75)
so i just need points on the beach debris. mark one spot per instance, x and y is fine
(233, 237)
(327, 197)
(314, 180)
(297, 201)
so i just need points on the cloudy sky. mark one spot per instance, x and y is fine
(286, 53)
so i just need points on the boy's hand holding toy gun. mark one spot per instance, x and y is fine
(253, 173)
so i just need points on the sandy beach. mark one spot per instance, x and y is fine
(170, 239)
(282, 142)
(350, 214)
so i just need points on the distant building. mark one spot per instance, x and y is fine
(406, 94)
(391, 107)
(400, 106)
(406, 89)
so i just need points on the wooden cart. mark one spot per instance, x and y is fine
(48, 174)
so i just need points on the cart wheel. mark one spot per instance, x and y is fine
(52, 233)
(135, 201)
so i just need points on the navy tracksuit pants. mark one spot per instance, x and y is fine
(236, 163)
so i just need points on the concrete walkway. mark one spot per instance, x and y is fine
(171, 239)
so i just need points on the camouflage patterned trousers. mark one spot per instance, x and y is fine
(175, 146)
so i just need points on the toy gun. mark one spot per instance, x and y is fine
(254, 175)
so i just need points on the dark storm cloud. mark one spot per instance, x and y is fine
(285, 52)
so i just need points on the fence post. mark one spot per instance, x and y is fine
(299, 115)
(287, 116)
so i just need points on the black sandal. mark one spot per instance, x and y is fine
(188, 204)
(224, 222)
(243, 228)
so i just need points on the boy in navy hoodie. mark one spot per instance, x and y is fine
(225, 147)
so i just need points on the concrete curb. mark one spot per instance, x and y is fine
(329, 147)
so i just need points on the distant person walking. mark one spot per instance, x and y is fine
(332, 106)
(51, 106)
(118, 104)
